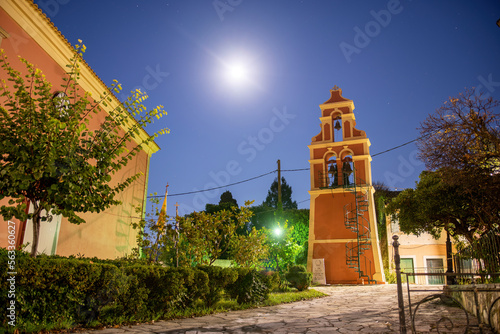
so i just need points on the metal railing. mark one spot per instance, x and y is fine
(434, 295)
(437, 320)
(481, 256)
(338, 180)
(426, 279)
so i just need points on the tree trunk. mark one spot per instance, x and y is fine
(36, 228)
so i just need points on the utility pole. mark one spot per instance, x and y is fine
(177, 232)
(279, 184)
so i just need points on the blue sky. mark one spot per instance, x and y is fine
(397, 60)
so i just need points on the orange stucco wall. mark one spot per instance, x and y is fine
(329, 216)
(21, 44)
(336, 270)
(360, 168)
(107, 234)
(318, 153)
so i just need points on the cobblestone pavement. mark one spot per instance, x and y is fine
(347, 309)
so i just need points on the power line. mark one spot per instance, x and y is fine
(274, 171)
(373, 155)
(224, 186)
(396, 147)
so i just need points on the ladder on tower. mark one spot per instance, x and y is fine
(355, 220)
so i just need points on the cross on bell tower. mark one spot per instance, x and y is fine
(342, 224)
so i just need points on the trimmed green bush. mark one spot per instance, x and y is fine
(196, 285)
(218, 279)
(169, 288)
(298, 277)
(272, 279)
(251, 287)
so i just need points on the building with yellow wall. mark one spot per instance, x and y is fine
(419, 254)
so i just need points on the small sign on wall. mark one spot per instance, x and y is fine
(318, 269)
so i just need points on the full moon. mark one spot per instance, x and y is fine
(237, 72)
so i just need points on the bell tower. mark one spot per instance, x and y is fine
(342, 224)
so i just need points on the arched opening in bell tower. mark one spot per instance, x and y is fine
(332, 172)
(337, 128)
(348, 178)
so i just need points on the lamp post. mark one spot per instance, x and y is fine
(450, 280)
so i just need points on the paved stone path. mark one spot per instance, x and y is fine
(347, 309)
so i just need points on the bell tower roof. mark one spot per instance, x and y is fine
(336, 96)
(336, 100)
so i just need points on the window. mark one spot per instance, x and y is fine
(435, 266)
(394, 225)
(61, 103)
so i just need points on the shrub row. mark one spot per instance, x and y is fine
(51, 290)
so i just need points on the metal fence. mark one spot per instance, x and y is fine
(481, 256)
(439, 310)
(427, 279)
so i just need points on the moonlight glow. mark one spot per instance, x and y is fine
(237, 72)
(240, 71)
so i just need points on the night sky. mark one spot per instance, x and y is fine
(242, 80)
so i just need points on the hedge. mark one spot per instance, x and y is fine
(75, 291)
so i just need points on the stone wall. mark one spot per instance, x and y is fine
(486, 294)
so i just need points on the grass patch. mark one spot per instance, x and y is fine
(289, 297)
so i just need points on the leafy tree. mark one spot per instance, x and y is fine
(286, 195)
(52, 157)
(249, 250)
(435, 205)
(283, 249)
(299, 220)
(462, 134)
(227, 202)
(205, 236)
(382, 197)
(266, 217)
(263, 216)
(227, 197)
(461, 142)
